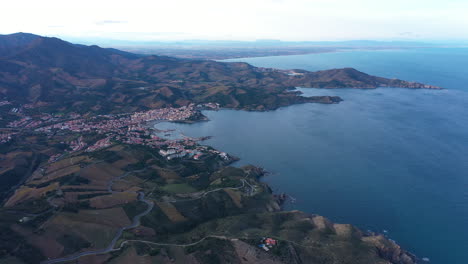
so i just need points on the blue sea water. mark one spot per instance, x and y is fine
(384, 159)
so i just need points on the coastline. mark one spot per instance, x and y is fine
(256, 196)
(388, 251)
(336, 50)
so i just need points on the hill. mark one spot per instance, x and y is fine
(10, 44)
(63, 76)
(124, 203)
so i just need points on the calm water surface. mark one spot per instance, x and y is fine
(384, 159)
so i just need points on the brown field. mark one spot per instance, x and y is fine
(37, 174)
(97, 259)
(72, 197)
(100, 173)
(96, 226)
(116, 148)
(57, 174)
(114, 217)
(343, 230)
(235, 196)
(66, 163)
(10, 160)
(130, 256)
(15, 154)
(320, 222)
(45, 243)
(182, 102)
(126, 160)
(49, 151)
(122, 185)
(93, 187)
(135, 189)
(166, 174)
(106, 201)
(171, 212)
(24, 193)
(127, 183)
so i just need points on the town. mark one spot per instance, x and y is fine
(132, 128)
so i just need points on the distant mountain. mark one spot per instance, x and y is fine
(10, 44)
(59, 75)
(56, 53)
(261, 43)
(350, 77)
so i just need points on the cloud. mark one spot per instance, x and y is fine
(107, 22)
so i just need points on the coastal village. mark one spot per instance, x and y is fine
(135, 128)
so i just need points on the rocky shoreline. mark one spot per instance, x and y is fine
(387, 248)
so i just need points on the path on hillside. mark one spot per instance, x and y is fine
(201, 240)
(110, 247)
(203, 194)
(136, 223)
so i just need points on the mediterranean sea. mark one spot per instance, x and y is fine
(389, 160)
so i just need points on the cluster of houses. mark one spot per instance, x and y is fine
(105, 123)
(174, 153)
(54, 158)
(102, 143)
(126, 128)
(5, 137)
(293, 73)
(28, 122)
(120, 123)
(15, 110)
(209, 106)
(267, 243)
(2, 103)
(20, 123)
(177, 150)
(168, 113)
(77, 144)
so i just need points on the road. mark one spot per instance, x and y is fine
(174, 245)
(214, 190)
(136, 223)
(110, 247)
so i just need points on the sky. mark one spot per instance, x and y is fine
(287, 20)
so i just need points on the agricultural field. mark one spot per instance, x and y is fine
(87, 201)
(179, 188)
(87, 198)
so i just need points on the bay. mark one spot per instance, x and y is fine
(386, 159)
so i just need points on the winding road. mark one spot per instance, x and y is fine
(110, 247)
(203, 239)
(136, 223)
(214, 190)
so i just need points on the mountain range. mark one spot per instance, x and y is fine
(56, 75)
